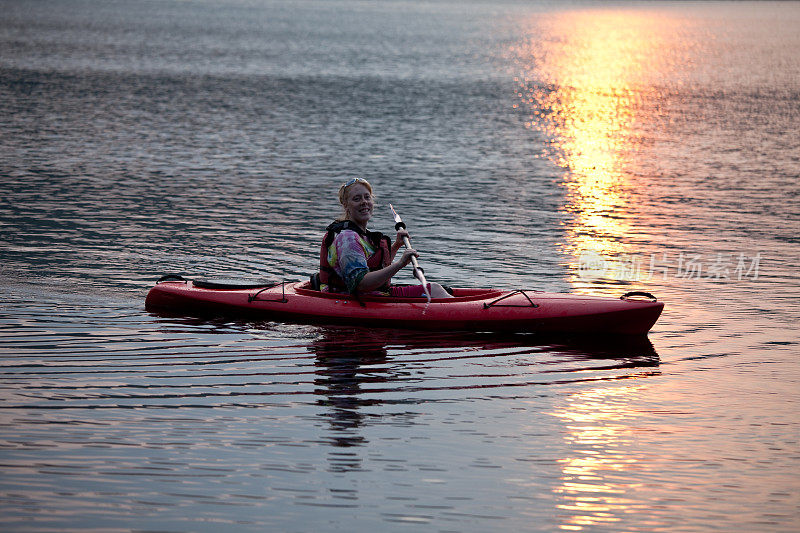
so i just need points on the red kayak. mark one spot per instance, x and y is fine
(470, 310)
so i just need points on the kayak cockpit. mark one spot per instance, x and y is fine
(459, 295)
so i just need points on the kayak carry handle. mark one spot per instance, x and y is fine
(628, 295)
(172, 277)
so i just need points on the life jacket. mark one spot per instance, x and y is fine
(380, 259)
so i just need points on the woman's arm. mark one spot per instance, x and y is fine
(377, 278)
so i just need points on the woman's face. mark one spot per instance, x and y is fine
(359, 204)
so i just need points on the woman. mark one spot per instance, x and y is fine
(358, 261)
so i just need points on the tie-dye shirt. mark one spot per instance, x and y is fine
(347, 255)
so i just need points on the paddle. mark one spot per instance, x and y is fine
(418, 273)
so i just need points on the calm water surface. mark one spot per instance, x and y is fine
(558, 146)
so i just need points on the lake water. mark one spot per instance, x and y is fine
(576, 147)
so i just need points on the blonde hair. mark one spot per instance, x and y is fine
(343, 193)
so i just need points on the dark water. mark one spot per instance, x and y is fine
(563, 147)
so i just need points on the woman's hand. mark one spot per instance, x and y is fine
(375, 279)
(407, 255)
(398, 242)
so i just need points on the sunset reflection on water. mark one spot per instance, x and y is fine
(592, 81)
(595, 83)
(599, 429)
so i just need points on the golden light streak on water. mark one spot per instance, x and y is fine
(590, 80)
(599, 425)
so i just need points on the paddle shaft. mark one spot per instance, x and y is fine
(418, 272)
(414, 262)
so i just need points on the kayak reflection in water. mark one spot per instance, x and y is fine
(358, 261)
